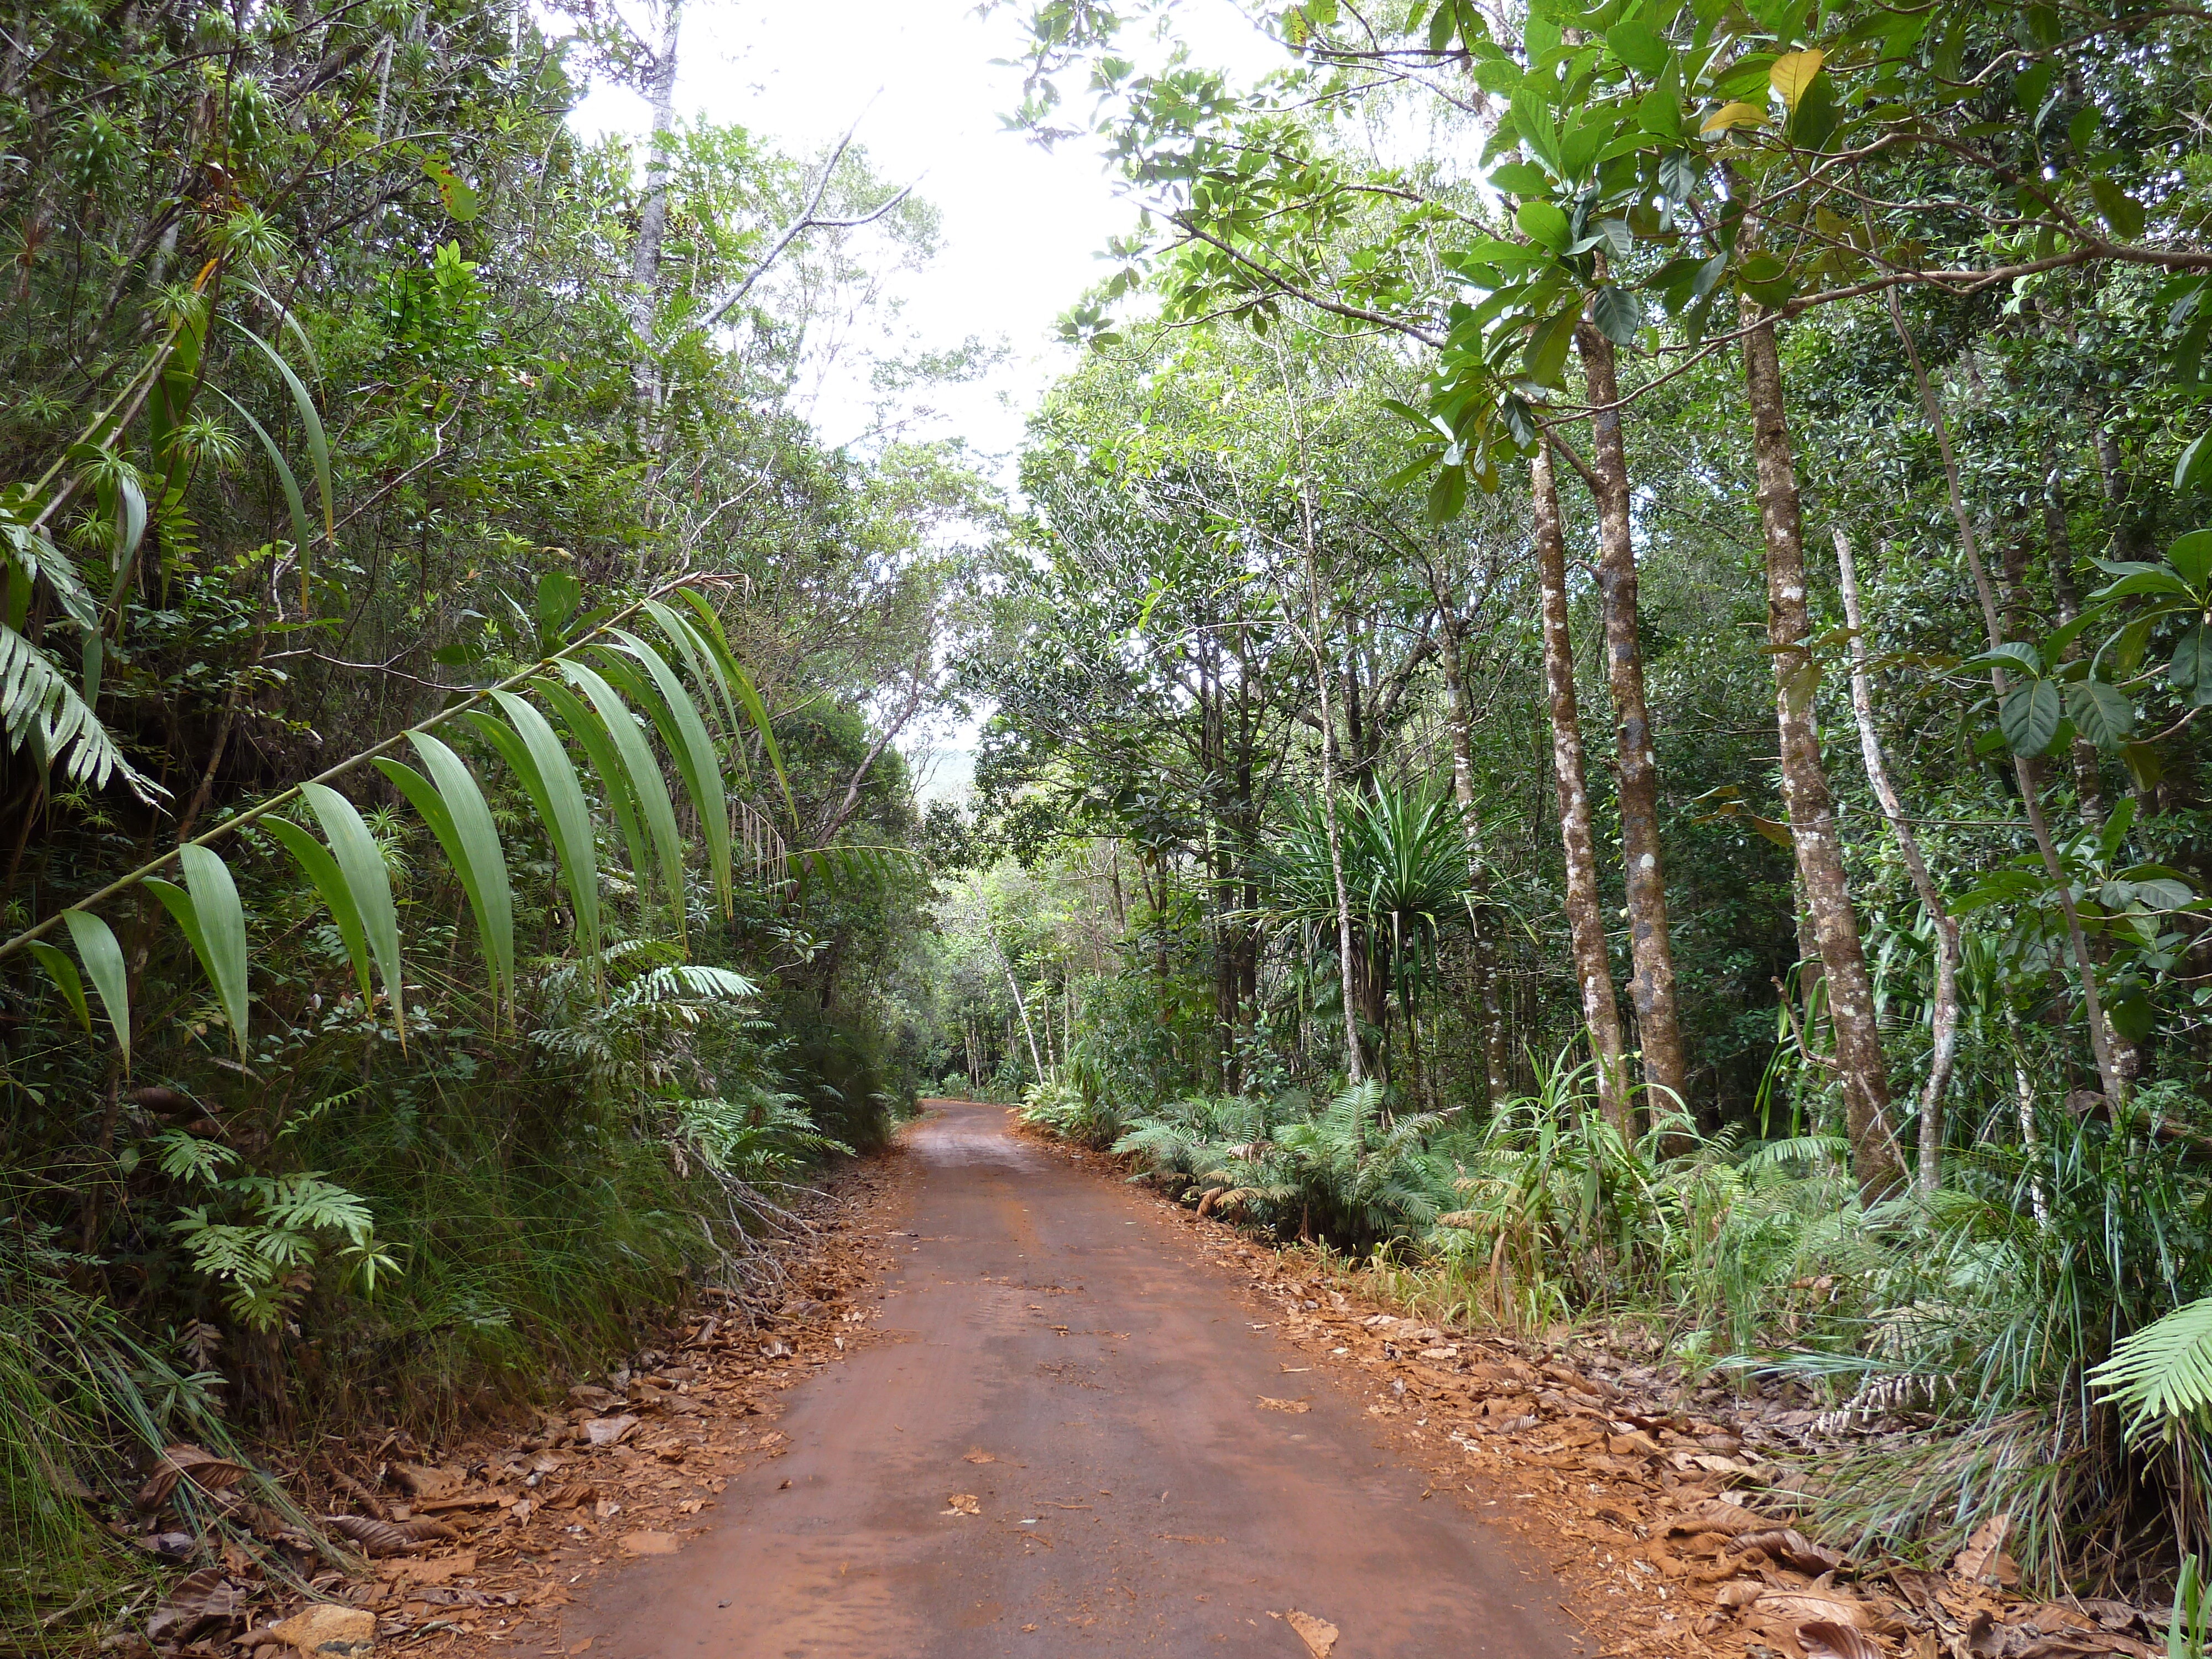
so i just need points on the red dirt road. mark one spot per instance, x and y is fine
(1140, 1500)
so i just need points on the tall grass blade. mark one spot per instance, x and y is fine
(302, 532)
(318, 445)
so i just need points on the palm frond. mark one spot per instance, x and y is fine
(41, 709)
(2164, 1370)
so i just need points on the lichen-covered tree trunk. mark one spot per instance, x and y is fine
(1651, 987)
(1861, 1065)
(1585, 914)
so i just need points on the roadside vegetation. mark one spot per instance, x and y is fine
(456, 878)
(1597, 708)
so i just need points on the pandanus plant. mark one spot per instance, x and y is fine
(1405, 873)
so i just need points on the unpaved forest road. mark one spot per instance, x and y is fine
(1171, 1513)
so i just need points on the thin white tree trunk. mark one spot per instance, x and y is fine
(1945, 1019)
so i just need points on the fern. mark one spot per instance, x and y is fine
(42, 710)
(2163, 1371)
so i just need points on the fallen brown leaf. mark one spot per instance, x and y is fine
(1825, 1639)
(1318, 1634)
(1291, 1406)
(964, 1503)
(647, 1543)
(979, 1456)
(1809, 1606)
(1984, 1556)
(180, 1462)
(421, 1572)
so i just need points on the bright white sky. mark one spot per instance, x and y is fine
(1022, 226)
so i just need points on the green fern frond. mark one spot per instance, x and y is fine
(2165, 1370)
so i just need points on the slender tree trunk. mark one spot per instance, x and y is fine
(1347, 955)
(1481, 968)
(659, 90)
(1651, 988)
(1021, 1006)
(1944, 1017)
(1585, 913)
(1860, 1066)
(2031, 794)
(2088, 785)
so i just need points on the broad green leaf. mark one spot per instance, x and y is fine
(1521, 178)
(1618, 313)
(2118, 209)
(452, 805)
(2191, 467)
(2029, 716)
(315, 862)
(1659, 112)
(2016, 654)
(62, 972)
(208, 911)
(1639, 45)
(652, 798)
(2190, 672)
(531, 748)
(318, 445)
(2191, 558)
(686, 735)
(1792, 73)
(362, 863)
(102, 956)
(606, 765)
(2151, 578)
(1543, 223)
(559, 593)
(2101, 713)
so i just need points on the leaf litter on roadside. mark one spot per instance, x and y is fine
(481, 1539)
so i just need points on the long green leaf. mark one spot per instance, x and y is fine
(694, 753)
(362, 862)
(64, 973)
(302, 533)
(614, 777)
(315, 862)
(318, 447)
(710, 630)
(705, 670)
(454, 808)
(212, 920)
(103, 959)
(530, 747)
(652, 798)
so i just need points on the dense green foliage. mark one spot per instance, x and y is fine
(1903, 311)
(347, 383)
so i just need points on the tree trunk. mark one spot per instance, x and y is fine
(2088, 786)
(1482, 960)
(1860, 1066)
(1944, 1017)
(659, 90)
(1651, 987)
(1585, 913)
